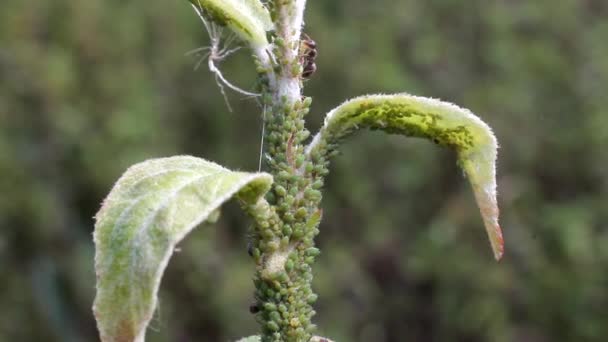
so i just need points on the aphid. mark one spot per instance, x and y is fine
(250, 248)
(254, 308)
(308, 53)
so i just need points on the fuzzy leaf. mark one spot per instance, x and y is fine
(249, 19)
(443, 122)
(250, 339)
(258, 339)
(150, 209)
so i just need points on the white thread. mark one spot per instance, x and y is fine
(215, 53)
(262, 139)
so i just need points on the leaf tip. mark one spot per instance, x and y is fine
(497, 242)
(485, 196)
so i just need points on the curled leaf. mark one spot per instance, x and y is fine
(444, 123)
(254, 338)
(249, 19)
(258, 339)
(150, 209)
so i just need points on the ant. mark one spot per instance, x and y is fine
(308, 48)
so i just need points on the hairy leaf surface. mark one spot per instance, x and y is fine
(150, 209)
(443, 122)
(258, 339)
(254, 338)
(249, 19)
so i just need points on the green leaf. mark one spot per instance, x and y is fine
(258, 339)
(150, 210)
(249, 19)
(442, 122)
(250, 339)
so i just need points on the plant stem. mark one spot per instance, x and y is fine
(285, 228)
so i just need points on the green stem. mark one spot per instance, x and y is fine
(283, 238)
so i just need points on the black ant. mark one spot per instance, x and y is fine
(308, 53)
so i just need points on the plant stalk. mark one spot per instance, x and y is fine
(283, 237)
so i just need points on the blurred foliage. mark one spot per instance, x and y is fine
(88, 88)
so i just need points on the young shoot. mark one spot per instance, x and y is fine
(156, 203)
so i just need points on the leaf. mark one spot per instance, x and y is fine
(250, 339)
(444, 123)
(258, 339)
(249, 19)
(150, 210)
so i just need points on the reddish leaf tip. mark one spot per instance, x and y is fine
(498, 243)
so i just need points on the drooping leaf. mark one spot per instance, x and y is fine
(150, 209)
(443, 122)
(254, 338)
(258, 339)
(249, 19)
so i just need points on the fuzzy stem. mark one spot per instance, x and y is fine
(283, 246)
(290, 14)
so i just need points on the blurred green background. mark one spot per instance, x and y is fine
(88, 88)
